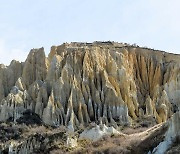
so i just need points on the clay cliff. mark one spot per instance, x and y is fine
(102, 82)
(88, 91)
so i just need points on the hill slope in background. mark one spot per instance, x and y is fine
(104, 83)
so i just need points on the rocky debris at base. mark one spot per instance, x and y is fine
(101, 138)
(98, 132)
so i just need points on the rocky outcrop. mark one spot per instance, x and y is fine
(103, 82)
(171, 136)
(8, 77)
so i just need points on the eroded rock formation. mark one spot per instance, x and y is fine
(103, 82)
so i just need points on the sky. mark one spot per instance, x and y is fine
(27, 24)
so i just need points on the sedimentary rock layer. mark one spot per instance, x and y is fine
(102, 82)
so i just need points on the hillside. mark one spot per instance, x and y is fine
(101, 83)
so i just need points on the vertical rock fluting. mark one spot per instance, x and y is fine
(100, 82)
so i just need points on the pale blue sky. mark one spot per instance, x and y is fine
(26, 24)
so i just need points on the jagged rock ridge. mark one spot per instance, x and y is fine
(102, 82)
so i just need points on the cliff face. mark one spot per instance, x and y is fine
(102, 82)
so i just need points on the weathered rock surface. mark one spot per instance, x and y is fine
(103, 82)
(107, 83)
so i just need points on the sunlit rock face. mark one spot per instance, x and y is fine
(102, 82)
